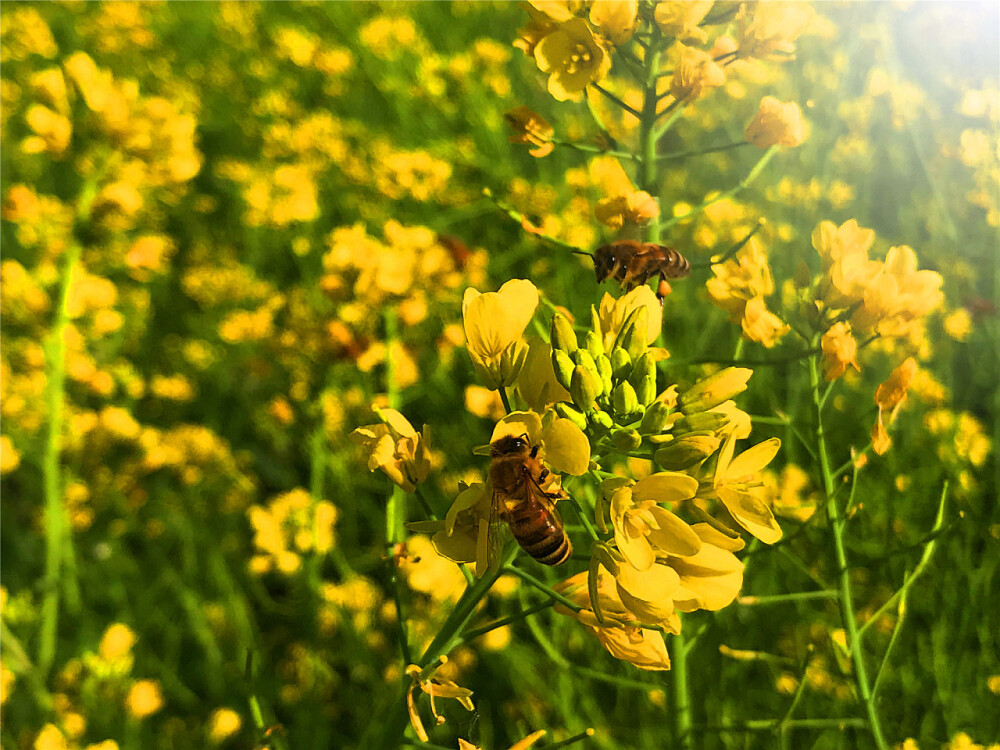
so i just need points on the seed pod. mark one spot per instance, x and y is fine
(706, 421)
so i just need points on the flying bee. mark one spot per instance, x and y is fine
(632, 263)
(517, 476)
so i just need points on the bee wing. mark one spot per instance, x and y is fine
(496, 533)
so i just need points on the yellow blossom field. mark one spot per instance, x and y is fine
(487, 375)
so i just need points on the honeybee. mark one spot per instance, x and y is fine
(632, 263)
(517, 475)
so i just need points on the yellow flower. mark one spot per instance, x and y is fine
(695, 72)
(840, 349)
(613, 313)
(715, 390)
(642, 528)
(144, 699)
(10, 459)
(537, 384)
(741, 279)
(899, 296)
(892, 392)
(396, 448)
(530, 128)
(762, 325)
(958, 324)
(52, 131)
(50, 738)
(635, 207)
(769, 29)
(430, 573)
(615, 19)
(559, 11)
(641, 647)
(844, 254)
(712, 578)
(116, 643)
(521, 744)
(494, 323)
(423, 679)
(463, 536)
(223, 723)
(739, 486)
(573, 57)
(776, 124)
(681, 19)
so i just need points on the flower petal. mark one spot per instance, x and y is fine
(567, 449)
(674, 536)
(753, 459)
(665, 487)
(750, 513)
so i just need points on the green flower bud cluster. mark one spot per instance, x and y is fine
(611, 389)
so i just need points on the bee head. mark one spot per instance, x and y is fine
(509, 444)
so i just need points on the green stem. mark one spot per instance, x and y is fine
(631, 110)
(386, 731)
(682, 726)
(742, 185)
(504, 399)
(56, 527)
(836, 529)
(532, 581)
(798, 596)
(587, 148)
(471, 635)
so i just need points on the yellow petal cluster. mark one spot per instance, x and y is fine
(530, 128)
(574, 57)
(739, 287)
(695, 73)
(494, 323)
(436, 687)
(637, 207)
(681, 19)
(776, 124)
(396, 448)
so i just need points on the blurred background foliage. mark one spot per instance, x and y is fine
(263, 182)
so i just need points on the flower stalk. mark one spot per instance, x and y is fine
(835, 523)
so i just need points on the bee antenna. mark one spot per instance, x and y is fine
(583, 252)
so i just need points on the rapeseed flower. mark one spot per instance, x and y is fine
(144, 699)
(681, 19)
(626, 640)
(494, 323)
(695, 73)
(424, 680)
(768, 30)
(573, 57)
(776, 124)
(615, 19)
(642, 528)
(530, 128)
(636, 207)
(396, 448)
(840, 349)
(739, 486)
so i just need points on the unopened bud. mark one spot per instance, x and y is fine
(593, 344)
(570, 412)
(633, 336)
(643, 378)
(601, 419)
(686, 451)
(655, 418)
(604, 369)
(704, 421)
(563, 366)
(623, 399)
(584, 387)
(562, 334)
(626, 439)
(621, 364)
(714, 390)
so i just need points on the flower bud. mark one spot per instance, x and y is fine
(715, 389)
(601, 419)
(655, 418)
(626, 440)
(621, 364)
(593, 344)
(584, 386)
(706, 421)
(643, 378)
(562, 334)
(562, 365)
(623, 399)
(686, 451)
(604, 368)
(632, 337)
(570, 412)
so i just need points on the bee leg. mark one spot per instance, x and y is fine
(662, 289)
(544, 473)
(534, 452)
